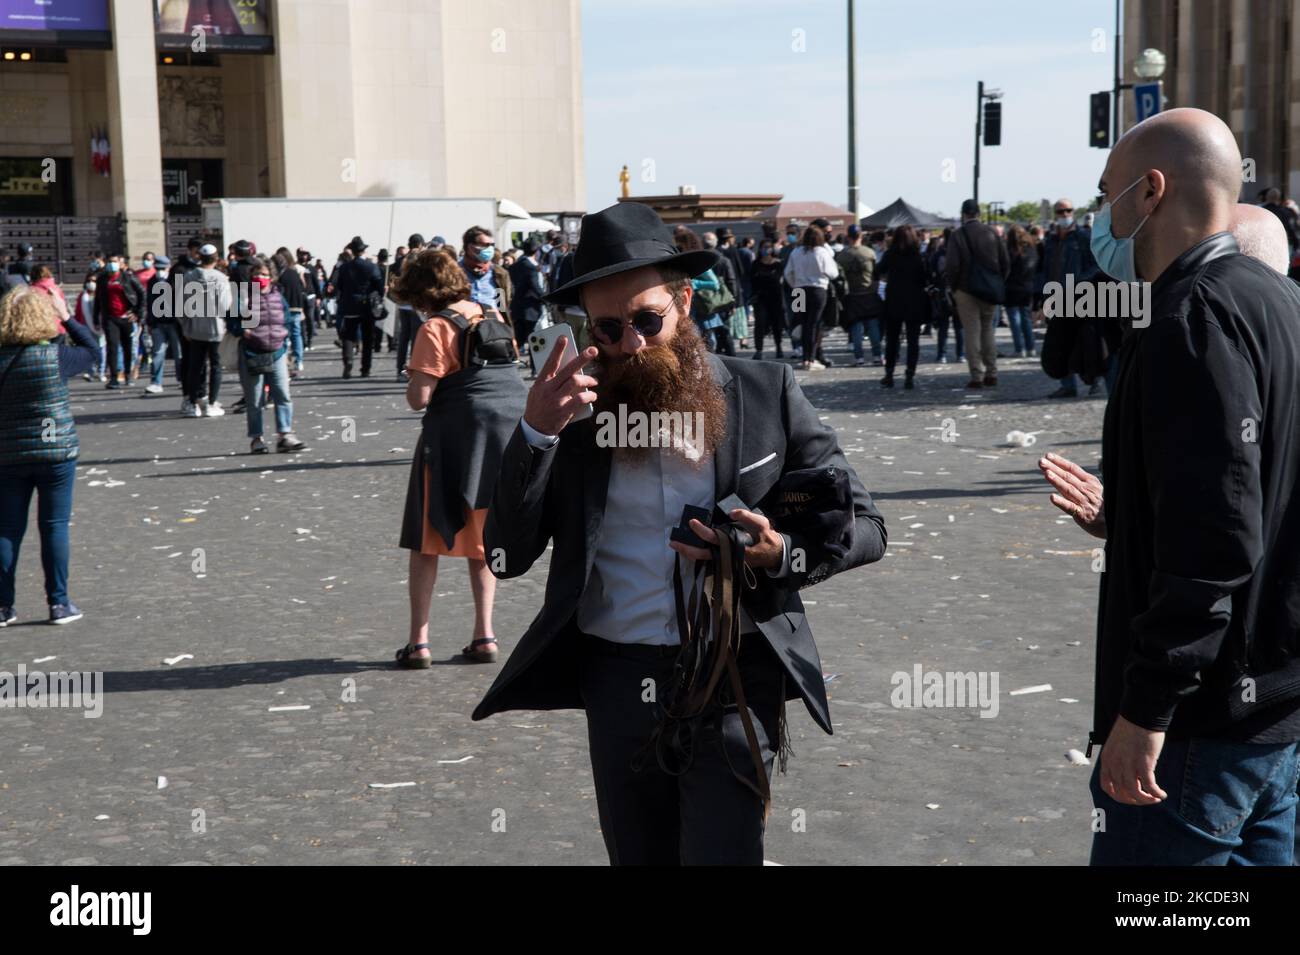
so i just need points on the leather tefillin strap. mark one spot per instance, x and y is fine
(709, 626)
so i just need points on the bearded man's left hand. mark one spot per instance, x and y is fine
(765, 553)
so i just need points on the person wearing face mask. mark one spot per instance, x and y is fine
(119, 297)
(766, 284)
(84, 312)
(1198, 670)
(489, 284)
(264, 359)
(1066, 252)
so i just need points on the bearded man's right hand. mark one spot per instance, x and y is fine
(559, 392)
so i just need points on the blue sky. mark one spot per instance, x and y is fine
(712, 93)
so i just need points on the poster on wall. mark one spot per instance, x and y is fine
(214, 26)
(79, 23)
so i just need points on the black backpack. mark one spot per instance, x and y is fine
(487, 342)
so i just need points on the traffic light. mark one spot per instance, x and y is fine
(1099, 120)
(992, 123)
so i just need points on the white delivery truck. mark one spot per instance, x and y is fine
(325, 226)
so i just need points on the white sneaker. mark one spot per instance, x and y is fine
(152, 389)
(213, 410)
(816, 366)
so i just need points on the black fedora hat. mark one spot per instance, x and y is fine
(626, 236)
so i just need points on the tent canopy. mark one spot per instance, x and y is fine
(899, 213)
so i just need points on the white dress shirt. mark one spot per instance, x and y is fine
(629, 596)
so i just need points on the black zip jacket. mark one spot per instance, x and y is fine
(1199, 616)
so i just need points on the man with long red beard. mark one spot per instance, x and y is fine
(609, 636)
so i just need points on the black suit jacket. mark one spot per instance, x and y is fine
(558, 495)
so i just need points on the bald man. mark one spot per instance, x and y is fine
(1260, 235)
(1198, 674)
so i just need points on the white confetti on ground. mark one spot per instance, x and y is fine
(452, 762)
(285, 709)
(1041, 688)
(390, 785)
(162, 782)
(44, 659)
(172, 661)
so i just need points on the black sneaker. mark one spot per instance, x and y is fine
(64, 613)
(1064, 392)
(7, 616)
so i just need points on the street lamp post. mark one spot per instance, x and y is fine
(853, 129)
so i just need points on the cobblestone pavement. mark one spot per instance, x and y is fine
(281, 577)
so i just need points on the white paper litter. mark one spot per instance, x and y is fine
(172, 661)
(285, 709)
(162, 782)
(390, 785)
(1041, 688)
(452, 762)
(932, 805)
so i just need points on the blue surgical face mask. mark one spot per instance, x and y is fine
(113, 266)
(1115, 256)
(485, 255)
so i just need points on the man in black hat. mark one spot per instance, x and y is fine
(609, 637)
(357, 279)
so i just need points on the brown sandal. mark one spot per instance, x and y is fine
(475, 655)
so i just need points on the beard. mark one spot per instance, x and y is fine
(671, 378)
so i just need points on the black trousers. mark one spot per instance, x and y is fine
(117, 332)
(811, 328)
(769, 319)
(354, 325)
(201, 357)
(895, 324)
(704, 816)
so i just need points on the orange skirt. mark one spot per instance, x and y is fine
(467, 543)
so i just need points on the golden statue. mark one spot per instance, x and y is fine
(624, 177)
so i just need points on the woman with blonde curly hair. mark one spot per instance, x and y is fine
(38, 441)
(465, 376)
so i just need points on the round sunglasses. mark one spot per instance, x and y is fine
(647, 323)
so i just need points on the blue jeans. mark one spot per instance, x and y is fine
(278, 379)
(1228, 803)
(1022, 328)
(166, 341)
(293, 322)
(53, 486)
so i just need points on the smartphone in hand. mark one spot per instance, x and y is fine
(542, 343)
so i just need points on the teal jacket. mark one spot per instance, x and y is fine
(36, 425)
